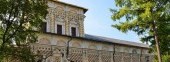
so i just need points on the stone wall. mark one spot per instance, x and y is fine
(54, 47)
(89, 55)
(65, 15)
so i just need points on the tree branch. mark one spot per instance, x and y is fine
(8, 25)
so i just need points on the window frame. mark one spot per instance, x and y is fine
(60, 30)
(73, 33)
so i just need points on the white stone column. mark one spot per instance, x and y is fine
(61, 59)
(111, 53)
(131, 57)
(85, 58)
(100, 55)
(122, 57)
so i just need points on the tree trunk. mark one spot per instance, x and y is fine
(157, 42)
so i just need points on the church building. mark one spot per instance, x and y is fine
(64, 40)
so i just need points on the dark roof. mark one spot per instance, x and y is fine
(117, 41)
(106, 40)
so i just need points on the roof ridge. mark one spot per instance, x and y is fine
(113, 40)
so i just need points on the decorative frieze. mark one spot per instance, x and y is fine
(87, 55)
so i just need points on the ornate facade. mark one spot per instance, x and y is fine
(65, 41)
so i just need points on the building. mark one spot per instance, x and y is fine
(64, 40)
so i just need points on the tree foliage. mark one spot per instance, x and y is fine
(140, 14)
(164, 38)
(165, 58)
(145, 17)
(18, 21)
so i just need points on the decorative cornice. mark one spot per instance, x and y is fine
(84, 9)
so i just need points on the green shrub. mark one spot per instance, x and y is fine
(165, 58)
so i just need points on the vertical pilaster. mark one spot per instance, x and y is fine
(67, 23)
(50, 19)
(131, 57)
(111, 53)
(85, 58)
(122, 57)
(100, 55)
(81, 29)
(52, 23)
(63, 55)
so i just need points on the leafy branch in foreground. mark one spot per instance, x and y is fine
(18, 20)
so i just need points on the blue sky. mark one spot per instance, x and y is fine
(98, 19)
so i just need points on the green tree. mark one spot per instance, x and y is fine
(145, 17)
(18, 21)
(164, 38)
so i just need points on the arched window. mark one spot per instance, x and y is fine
(61, 43)
(126, 50)
(147, 58)
(76, 44)
(44, 41)
(134, 51)
(106, 48)
(93, 47)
